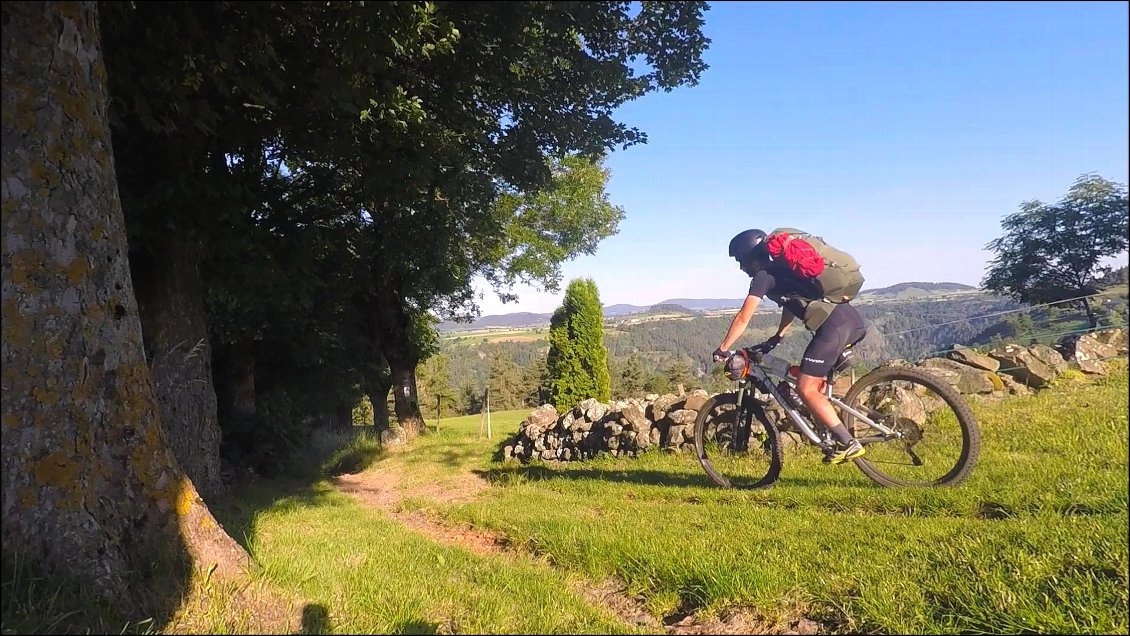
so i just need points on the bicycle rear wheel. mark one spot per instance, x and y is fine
(735, 449)
(938, 438)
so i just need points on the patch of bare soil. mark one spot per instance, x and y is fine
(383, 490)
(738, 621)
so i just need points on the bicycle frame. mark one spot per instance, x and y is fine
(762, 380)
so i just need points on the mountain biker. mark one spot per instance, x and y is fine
(835, 326)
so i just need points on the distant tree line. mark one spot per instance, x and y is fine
(655, 356)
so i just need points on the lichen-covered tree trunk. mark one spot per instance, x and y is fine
(392, 335)
(390, 332)
(170, 295)
(379, 400)
(377, 390)
(90, 486)
(406, 401)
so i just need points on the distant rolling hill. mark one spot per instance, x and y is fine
(705, 304)
(904, 291)
(518, 319)
(901, 291)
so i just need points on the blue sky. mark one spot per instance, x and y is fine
(902, 133)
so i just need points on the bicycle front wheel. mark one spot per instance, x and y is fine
(735, 449)
(937, 440)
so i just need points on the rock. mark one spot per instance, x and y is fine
(695, 401)
(544, 416)
(674, 436)
(841, 385)
(394, 437)
(964, 378)
(896, 402)
(1116, 338)
(633, 414)
(970, 357)
(596, 412)
(1048, 356)
(1087, 352)
(1024, 367)
(643, 438)
(683, 416)
(791, 441)
(1012, 387)
(662, 405)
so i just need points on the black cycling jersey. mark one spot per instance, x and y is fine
(783, 288)
(835, 325)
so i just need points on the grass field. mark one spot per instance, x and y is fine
(1035, 541)
(478, 336)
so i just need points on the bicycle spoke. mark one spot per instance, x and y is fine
(735, 449)
(932, 425)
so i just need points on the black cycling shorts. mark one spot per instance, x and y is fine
(843, 327)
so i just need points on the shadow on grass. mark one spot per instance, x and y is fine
(245, 500)
(316, 619)
(452, 453)
(538, 472)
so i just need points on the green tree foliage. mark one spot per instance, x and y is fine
(679, 372)
(628, 376)
(414, 145)
(509, 388)
(433, 378)
(1052, 252)
(577, 358)
(657, 383)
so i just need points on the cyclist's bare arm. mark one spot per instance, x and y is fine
(740, 322)
(787, 319)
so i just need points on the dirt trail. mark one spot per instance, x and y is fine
(384, 489)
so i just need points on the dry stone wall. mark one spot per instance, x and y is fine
(634, 426)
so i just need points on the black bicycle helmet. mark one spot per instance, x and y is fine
(742, 245)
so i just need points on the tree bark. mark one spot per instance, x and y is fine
(390, 333)
(91, 489)
(377, 385)
(170, 295)
(407, 403)
(1090, 313)
(236, 391)
(379, 400)
(343, 418)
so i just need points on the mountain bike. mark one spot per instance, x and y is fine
(917, 429)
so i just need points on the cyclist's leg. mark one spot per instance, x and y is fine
(844, 326)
